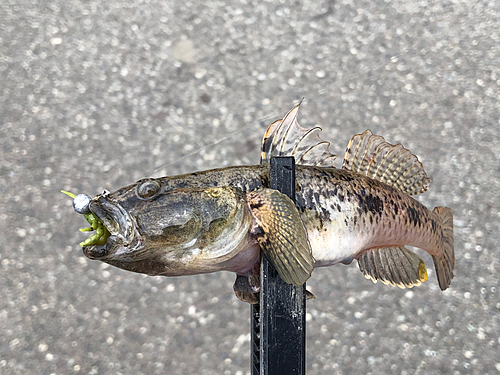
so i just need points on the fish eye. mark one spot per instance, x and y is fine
(148, 188)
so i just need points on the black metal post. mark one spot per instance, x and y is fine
(279, 321)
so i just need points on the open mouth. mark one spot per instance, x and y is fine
(81, 203)
(111, 223)
(101, 232)
(113, 228)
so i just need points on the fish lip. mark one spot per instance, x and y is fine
(115, 249)
(96, 251)
(119, 224)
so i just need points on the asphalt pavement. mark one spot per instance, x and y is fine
(95, 95)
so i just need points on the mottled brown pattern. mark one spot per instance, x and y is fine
(377, 207)
(332, 203)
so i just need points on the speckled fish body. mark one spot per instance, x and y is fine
(222, 219)
(343, 212)
(346, 213)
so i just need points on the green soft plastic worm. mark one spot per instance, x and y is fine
(102, 233)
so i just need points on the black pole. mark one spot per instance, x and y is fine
(279, 321)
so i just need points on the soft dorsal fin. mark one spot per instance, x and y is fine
(287, 138)
(372, 156)
(396, 266)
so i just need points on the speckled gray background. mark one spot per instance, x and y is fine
(94, 95)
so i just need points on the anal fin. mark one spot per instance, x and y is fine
(281, 235)
(396, 266)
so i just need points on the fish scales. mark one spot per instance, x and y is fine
(345, 213)
(223, 219)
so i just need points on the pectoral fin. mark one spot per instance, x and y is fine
(396, 266)
(281, 235)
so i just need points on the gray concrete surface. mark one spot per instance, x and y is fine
(94, 95)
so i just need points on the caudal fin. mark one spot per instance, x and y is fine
(444, 261)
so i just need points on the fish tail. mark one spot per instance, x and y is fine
(444, 260)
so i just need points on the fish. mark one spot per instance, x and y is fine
(224, 219)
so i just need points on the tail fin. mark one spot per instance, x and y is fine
(444, 261)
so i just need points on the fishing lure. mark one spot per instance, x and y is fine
(81, 204)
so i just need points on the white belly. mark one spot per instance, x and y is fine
(335, 246)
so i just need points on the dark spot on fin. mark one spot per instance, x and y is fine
(444, 260)
(256, 205)
(287, 138)
(396, 266)
(394, 165)
(281, 235)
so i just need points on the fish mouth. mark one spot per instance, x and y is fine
(118, 223)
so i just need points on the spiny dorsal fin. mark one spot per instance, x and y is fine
(396, 266)
(372, 156)
(287, 138)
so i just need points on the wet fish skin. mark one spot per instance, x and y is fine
(343, 212)
(206, 229)
(361, 213)
(222, 219)
(357, 213)
(172, 228)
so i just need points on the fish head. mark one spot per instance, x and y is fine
(172, 232)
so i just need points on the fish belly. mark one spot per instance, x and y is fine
(330, 248)
(333, 233)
